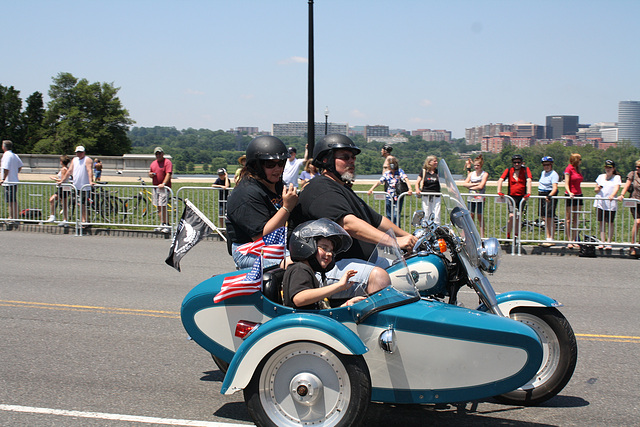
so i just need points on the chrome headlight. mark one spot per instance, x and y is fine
(489, 253)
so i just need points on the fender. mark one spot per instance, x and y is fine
(284, 329)
(510, 300)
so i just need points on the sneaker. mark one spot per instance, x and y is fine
(51, 218)
(63, 223)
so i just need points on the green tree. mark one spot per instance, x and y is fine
(83, 113)
(11, 126)
(33, 121)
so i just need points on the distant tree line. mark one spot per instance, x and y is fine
(78, 113)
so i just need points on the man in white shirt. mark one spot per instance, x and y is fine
(292, 167)
(10, 166)
(81, 168)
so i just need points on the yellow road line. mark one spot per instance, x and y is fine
(89, 308)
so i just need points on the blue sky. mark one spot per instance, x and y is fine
(408, 64)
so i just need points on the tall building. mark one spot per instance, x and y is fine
(476, 134)
(558, 126)
(377, 130)
(629, 121)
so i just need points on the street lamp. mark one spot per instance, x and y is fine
(326, 119)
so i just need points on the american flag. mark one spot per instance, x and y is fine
(271, 246)
(241, 284)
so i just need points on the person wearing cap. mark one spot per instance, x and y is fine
(242, 160)
(633, 186)
(548, 188)
(223, 183)
(518, 187)
(607, 186)
(573, 189)
(81, 170)
(385, 152)
(160, 172)
(10, 166)
(292, 166)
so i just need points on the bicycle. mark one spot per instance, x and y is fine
(99, 201)
(138, 205)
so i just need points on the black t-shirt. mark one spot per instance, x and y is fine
(249, 207)
(224, 193)
(324, 198)
(430, 181)
(298, 277)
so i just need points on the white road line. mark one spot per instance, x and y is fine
(117, 417)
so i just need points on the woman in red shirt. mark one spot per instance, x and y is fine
(572, 180)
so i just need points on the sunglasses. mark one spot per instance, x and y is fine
(346, 157)
(271, 164)
(517, 163)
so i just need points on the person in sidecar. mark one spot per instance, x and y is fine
(260, 203)
(330, 196)
(313, 246)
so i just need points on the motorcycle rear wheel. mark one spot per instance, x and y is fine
(560, 354)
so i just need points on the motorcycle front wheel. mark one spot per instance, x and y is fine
(560, 354)
(304, 383)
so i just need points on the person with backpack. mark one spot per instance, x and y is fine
(393, 180)
(518, 179)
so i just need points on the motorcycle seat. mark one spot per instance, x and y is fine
(272, 284)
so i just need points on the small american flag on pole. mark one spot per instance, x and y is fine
(271, 246)
(241, 284)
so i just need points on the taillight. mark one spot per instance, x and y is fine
(244, 328)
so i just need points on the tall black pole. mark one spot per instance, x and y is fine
(311, 131)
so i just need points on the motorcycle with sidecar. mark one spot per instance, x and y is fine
(408, 343)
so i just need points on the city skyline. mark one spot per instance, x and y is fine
(408, 65)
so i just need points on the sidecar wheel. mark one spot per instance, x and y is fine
(560, 353)
(309, 384)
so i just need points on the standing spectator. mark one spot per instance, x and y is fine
(242, 160)
(260, 203)
(81, 170)
(160, 172)
(292, 166)
(62, 193)
(607, 186)
(97, 169)
(476, 182)
(222, 182)
(310, 171)
(390, 179)
(10, 166)
(548, 187)
(428, 182)
(633, 185)
(518, 187)
(572, 180)
(385, 152)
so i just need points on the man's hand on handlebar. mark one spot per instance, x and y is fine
(407, 242)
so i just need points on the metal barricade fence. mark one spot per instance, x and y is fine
(36, 202)
(576, 221)
(212, 202)
(129, 206)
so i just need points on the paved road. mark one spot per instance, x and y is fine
(90, 324)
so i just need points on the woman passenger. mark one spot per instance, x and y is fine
(260, 203)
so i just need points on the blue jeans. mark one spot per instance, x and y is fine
(396, 215)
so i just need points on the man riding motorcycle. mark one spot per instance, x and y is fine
(330, 196)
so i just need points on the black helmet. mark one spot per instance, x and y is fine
(266, 148)
(517, 157)
(325, 147)
(303, 243)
